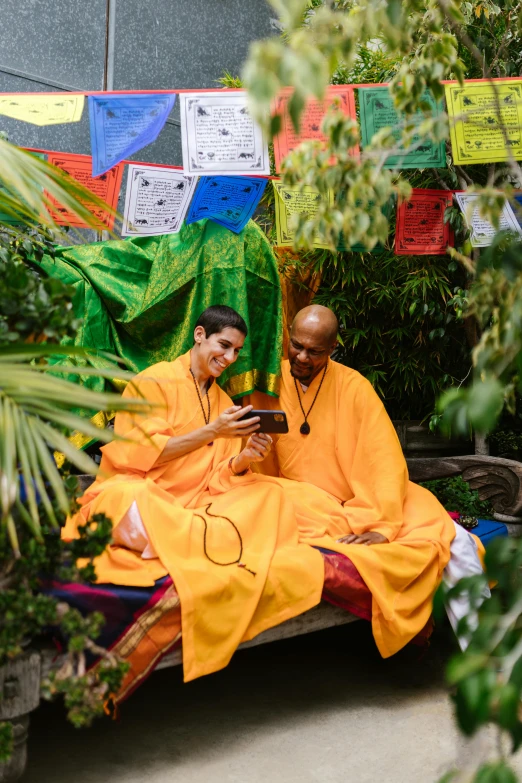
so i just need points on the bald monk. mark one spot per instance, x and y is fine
(343, 468)
(184, 502)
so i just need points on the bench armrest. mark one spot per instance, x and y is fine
(497, 480)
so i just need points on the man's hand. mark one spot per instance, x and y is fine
(257, 448)
(227, 425)
(365, 538)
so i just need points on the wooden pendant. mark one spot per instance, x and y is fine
(304, 428)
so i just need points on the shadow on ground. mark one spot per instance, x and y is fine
(324, 707)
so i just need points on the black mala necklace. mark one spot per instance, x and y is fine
(304, 429)
(206, 415)
(237, 561)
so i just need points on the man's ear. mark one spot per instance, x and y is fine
(199, 334)
(332, 348)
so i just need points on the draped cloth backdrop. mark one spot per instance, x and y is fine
(139, 298)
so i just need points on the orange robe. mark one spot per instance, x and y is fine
(353, 458)
(221, 606)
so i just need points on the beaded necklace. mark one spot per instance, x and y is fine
(304, 429)
(206, 416)
(216, 562)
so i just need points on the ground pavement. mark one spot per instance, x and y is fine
(324, 708)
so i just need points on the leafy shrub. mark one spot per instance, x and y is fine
(456, 495)
(31, 306)
(399, 325)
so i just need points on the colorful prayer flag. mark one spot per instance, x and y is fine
(338, 96)
(291, 201)
(106, 187)
(420, 227)
(218, 135)
(482, 231)
(485, 120)
(43, 109)
(377, 111)
(123, 124)
(518, 207)
(229, 201)
(156, 200)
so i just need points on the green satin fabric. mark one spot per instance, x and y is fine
(140, 298)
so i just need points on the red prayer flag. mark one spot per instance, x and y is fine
(420, 227)
(107, 187)
(287, 139)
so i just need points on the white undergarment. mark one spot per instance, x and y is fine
(131, 534)
(464, 561)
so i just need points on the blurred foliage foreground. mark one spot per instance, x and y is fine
(38, 410)
(422, 43)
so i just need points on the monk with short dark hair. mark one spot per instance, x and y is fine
(342, 466)
(184, 502)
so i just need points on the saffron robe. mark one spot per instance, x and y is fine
(221, 605)
(353, 458)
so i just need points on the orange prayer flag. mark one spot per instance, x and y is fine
(340, 96)
(107, 187)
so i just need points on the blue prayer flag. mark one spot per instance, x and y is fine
(123, 124)
(229, 201)
(518, 207)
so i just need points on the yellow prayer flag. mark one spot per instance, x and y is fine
(291, 201)
(44, 109)
(485, 118)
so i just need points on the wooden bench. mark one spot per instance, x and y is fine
(497, 480)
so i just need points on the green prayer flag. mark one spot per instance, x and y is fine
(377, 111)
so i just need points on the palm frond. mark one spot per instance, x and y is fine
(38, 408)
(31, 187)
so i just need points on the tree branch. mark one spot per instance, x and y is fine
(440, 180)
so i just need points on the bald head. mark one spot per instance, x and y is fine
(313, 336)
(318, 319)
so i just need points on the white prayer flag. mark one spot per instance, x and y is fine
(156, 200)
(482, 231)
(219, 136)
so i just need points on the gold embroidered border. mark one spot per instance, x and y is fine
(245, 383)
(127, 645)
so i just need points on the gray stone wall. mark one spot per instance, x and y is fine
(121, 45)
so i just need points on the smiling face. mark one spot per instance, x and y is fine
(309, 349)
(215, 353)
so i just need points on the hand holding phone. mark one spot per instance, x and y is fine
(233, 424)
(269, 421)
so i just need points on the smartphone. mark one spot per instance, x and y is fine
(269, 421)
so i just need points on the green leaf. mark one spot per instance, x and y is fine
(394, 12)
(26, 472)
(48, 466)
(485, 402)
(508, 704)
(296, 105)
(35, 470)
(495, 772)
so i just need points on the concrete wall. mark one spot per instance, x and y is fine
(50, 45)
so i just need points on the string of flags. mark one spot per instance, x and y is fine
(226, 162)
